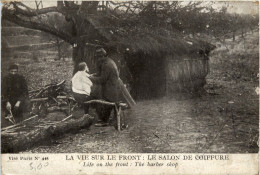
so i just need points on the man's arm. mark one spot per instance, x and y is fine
(104, 75)
(24, 89)
(5, 95)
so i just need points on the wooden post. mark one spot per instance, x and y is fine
(118, 119)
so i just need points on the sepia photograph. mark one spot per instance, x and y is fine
(130, 77)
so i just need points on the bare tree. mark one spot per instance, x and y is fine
(65, 26)
(72, 22)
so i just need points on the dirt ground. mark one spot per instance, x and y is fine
(222, 119)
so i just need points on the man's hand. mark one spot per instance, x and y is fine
(8, 106)
(17, 104)
(93, 75)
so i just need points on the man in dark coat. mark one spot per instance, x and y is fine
(14, 93)
(108, 78)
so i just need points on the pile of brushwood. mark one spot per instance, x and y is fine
(52, 97)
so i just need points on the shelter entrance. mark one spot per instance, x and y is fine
(149, 77)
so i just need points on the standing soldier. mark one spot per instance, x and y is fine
(108, 78)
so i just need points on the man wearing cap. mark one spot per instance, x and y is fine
(14, 93)
(107, 77)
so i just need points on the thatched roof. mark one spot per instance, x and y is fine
(138, 37)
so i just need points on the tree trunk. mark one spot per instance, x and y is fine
(251, 29)
(18, 141)
(86, 54)
(59, 48)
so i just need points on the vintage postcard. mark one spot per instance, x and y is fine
(129, 87)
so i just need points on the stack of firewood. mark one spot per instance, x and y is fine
(52, 97)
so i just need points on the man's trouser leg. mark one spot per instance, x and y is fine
(17, 112)
(81, 98)
(106, 113)
(86, 106)
(103, 112)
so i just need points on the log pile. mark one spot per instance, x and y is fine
(25, 135)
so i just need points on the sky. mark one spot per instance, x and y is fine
(243, 7)
(240, 7)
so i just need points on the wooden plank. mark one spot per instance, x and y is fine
(101, 102)
(66, 118)
(105, 103)
(9, 127)
(127, 96)
(30, 118)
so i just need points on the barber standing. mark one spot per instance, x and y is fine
(108, 78)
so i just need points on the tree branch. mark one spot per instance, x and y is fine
(23, 5)
(31, 12)
(10, 16)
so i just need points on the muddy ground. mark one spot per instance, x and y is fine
(224, 118)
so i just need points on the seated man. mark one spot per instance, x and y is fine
(81, 86)
(14, 93)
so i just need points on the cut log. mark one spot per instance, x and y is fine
(15, 142)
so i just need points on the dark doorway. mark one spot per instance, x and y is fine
(149, 78)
